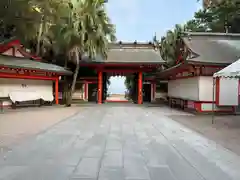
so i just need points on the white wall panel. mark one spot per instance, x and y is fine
(228, 91)
(9, 52)
(18, 54)
(23, 88)
(206, 88)
(184, 88)
(208, 107)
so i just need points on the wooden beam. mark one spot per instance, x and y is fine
(23, 76)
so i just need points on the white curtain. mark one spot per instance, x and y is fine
(46, 96)
(21, 96)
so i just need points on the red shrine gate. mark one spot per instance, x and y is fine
(124, 59)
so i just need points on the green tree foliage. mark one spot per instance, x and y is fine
(59, 28)
(222, 17)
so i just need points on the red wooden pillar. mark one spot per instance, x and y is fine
(56, 91)
(217, 91)
(140, 98)
(100, 87)
(86, 90)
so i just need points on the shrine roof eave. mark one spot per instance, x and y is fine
(171, 71)
(94, 63)
(184, 65)
(202, 63)
(23, 63)
(222, 48)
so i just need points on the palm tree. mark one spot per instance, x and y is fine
(169, 49)
(87, 32)
(208, 3)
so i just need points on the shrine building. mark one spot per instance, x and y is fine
(190, 81)
(25, 77)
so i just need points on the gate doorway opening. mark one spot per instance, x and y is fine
(147, 92)
(116, 91)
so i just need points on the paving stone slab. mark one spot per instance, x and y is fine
(111, 174)
(158, 173)
(114, 145)
(87, 168)
(136, 172)
(112, 159)
(182, 169)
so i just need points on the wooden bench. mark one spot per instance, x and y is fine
(33, 103)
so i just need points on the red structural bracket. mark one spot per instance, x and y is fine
(23, 76)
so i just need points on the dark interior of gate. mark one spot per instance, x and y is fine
(147, 94)
(133, 60)
(92, 92)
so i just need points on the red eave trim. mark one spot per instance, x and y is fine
(88, 78)
(32, 70)
(122, 71)
(9, 45)
(22, 76)
(171, 72)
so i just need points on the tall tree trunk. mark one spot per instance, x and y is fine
(69, 101)
(39, 37)
(65, 86)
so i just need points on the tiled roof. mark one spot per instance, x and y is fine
(221, 48)
(132, 53)
(15, 62)
(133, 56)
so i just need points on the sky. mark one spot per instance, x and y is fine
(140, 19)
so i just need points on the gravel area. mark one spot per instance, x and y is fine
(224, 131)
(16, 125)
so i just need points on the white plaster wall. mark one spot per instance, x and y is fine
(208, 107)
(184, 88)
(9, 52)
(228, 91)
(206, 88)
(25, 86)
(18, 54)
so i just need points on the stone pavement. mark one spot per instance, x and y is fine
(116, 142)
